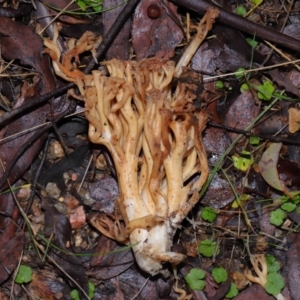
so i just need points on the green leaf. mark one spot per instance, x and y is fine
(82, 5)
(208, 248)
(242, 197)
(275, 284)
(288, 206)
(74, 295)
(244, 87)
(96, 5)
(219, 84)
(194, 279)
(254, 140)
(219, 274)
(239, 73)
(272, 263)
(233, 291)
(241, 10)
(277, 217)
(295, 197)
(208, 214)
(257, 2)
(24, 274)
(265, 90)
(91, 290)
(243, 161)
(253, 43)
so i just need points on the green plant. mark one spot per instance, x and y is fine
(91, 290)
(254, 140)
(265, 90)
(208, 214)
(24, 275)
(75, 294)
(239, 74)
(275, 284)
(253, 43)
(257, 2)
(233, 291)
(243, 161)
(219, 84)
(288, 206)
(272, 263)
(96, 5)
(241, 10)
(270, 280)
(242, 197)
(244, 87)
(219, 274)
(208, 248)
(277, 217)
(195, 279)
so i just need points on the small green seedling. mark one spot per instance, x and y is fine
(239, 74)
(243, 161)
(275, 284)
(265, 90)
(91, 290)
(268, 277)
(24, 275)
(253, 43)
(208, 248)
(195, 279)
(75, 294)
(254, 140)
(243, 197)
(257, 2)
(272, 263)
(219, 84)
(219, 274)
(288, 206)
(277, 217)
(233, 291)
(241, 10)
(244, 87)
(96, 5)
(208, 214)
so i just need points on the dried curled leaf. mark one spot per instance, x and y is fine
(268, 167)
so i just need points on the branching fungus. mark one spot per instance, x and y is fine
(154, 135)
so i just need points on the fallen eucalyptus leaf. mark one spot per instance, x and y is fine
(268, 167)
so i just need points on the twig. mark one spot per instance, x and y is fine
(107, 40)
(271, 138)
(30, 141)
(240, 23)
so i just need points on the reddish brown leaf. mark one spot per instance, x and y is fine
(45, 285)
(155, 36)
(11, 245)
(18, 41)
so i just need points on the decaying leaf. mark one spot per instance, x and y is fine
(268, 167)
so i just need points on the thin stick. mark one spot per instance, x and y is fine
(107, 40)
